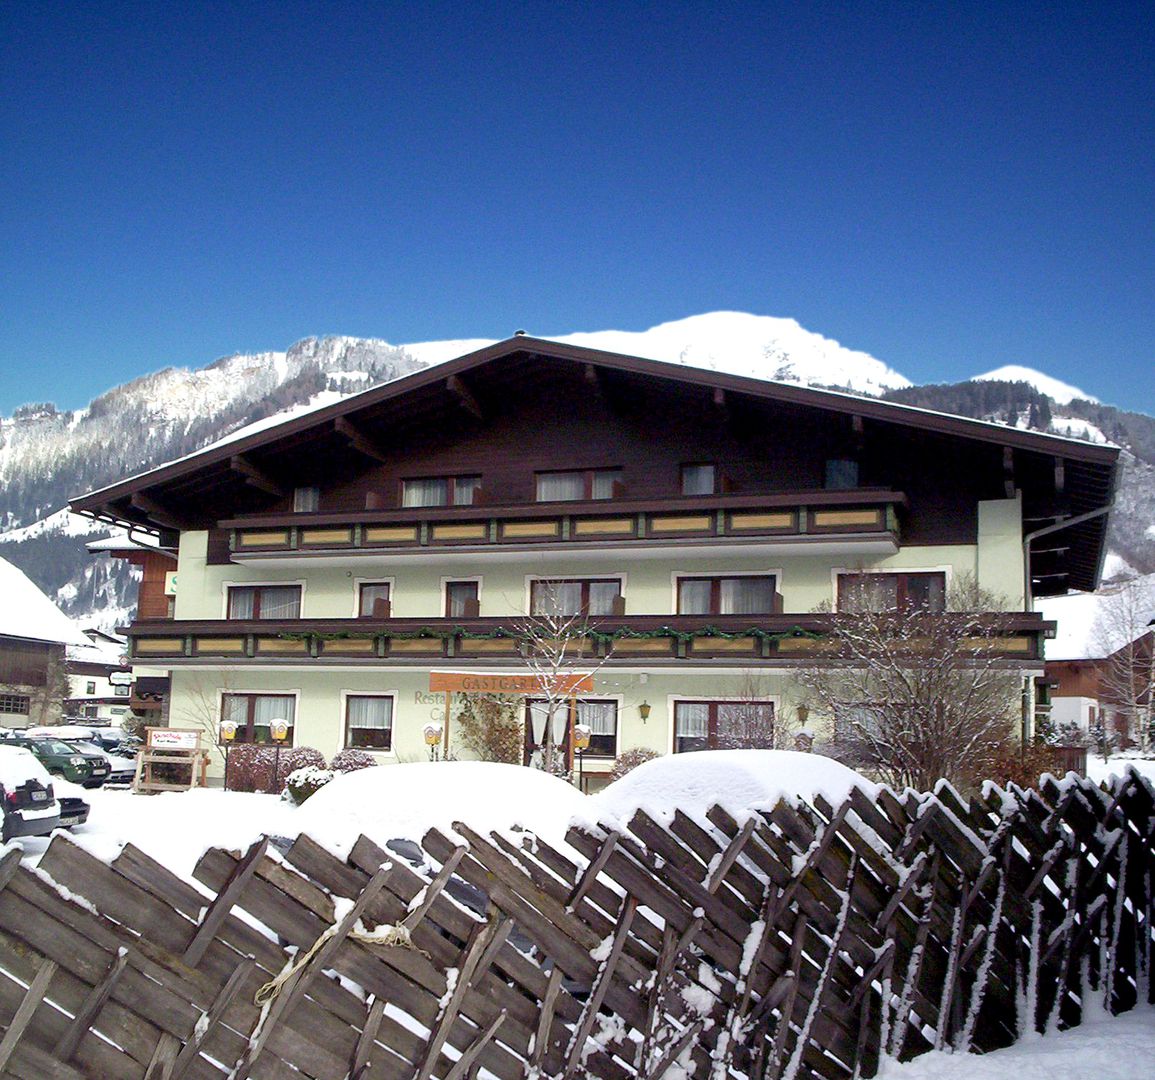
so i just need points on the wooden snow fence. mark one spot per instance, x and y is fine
(803, 941)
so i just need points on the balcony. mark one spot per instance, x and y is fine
(854, 523)
(649, 639)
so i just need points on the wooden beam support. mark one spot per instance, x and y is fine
(464, 396)
(1009, 471)
(32, 998)
(156, 512)
(254, 477)
(225, 900)
(1060, 476)
(359, 440)
(719, 397)
(95, 1001)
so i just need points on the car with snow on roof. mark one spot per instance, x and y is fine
(63, 759)
(27, 800)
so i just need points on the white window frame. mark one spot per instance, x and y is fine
(226, 585)
(618, 700)
(720, 699)
(375, 580)
(453, 579)
(569, 576)
(295, 694)
(677, 575)
(837, 571)
(343, 722)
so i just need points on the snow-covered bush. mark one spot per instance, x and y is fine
(305, 782)
(254, 767)
(351, 759)
(631, 759)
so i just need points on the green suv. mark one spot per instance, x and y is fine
(88, 770)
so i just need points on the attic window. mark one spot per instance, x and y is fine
(306, 499)
(698, 479)
(841, 474)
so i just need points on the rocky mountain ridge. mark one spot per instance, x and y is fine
(47, 456)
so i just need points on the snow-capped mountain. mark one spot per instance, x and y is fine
(46, 456)
(1059, 392)
(731, 341)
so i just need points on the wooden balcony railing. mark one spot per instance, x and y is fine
(728, 518)
(631, 638)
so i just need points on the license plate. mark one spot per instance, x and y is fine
(99, 772)
(39, 796)
(70, 820)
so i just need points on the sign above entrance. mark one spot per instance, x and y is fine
(474, 682)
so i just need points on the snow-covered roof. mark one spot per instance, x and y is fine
(123, 540)
(27, 613)
(1091, 626)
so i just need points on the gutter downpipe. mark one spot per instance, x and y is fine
(1028, 598)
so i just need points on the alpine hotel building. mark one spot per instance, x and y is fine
(328, 566)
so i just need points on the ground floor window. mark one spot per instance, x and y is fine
(369, 721)
(254, 715)
(601, 717)
(723, 725)
(15, 703)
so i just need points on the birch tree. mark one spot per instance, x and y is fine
(1123, 633)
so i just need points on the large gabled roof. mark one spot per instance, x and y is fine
(157, 499)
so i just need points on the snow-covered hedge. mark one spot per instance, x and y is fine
(303, 783)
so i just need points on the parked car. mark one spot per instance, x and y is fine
(27, 800)
(61, 759)
(73, 811)
(122, 770)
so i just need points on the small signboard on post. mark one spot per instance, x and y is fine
(171, 760)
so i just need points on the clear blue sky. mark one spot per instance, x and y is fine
(951, 187)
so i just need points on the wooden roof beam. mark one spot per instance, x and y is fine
(1009, 471)
(464, 396)
(254, 477)
(1060, 476)
(359, 440)
(156, 512)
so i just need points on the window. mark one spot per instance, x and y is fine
(697, 479)
(369, 721)
(254, 714)
(91, 711)
(440, 491)
(841, 474)
(582, 485)
(892, 592)
(15, 703)
(745, 595)
(721, 725)
(576, 596)
(90, 686)
(122, 691)
(601, 717)
(373, 600)
(264, 602)
(306, 499)
(461, 600)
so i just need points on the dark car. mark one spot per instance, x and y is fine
(73, 811)
(27, 800)
(104, 769)
(60, 759)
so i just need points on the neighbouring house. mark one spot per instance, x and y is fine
(34, 638)
(1100, 667)
(100, 679)
(156, 567)
(337, 572)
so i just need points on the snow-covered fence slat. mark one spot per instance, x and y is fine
(793, 941)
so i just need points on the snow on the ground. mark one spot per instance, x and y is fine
(1075, 427)
(1117, 765)
(407, 800)
(1060, 392)
(27, 613)
(1102, 1048)
(736, 779)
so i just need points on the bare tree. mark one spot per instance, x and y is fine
(1123, 634)
(555, 646)
(47, 700)
(917, 696)
(749, 721)
(491, 726)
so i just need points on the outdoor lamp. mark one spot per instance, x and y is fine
(581, 736)
(228, 731)
(803, 714)
(279, 730)
(644, 711)
(432, 734)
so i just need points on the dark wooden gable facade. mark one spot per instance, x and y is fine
(526, 406)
